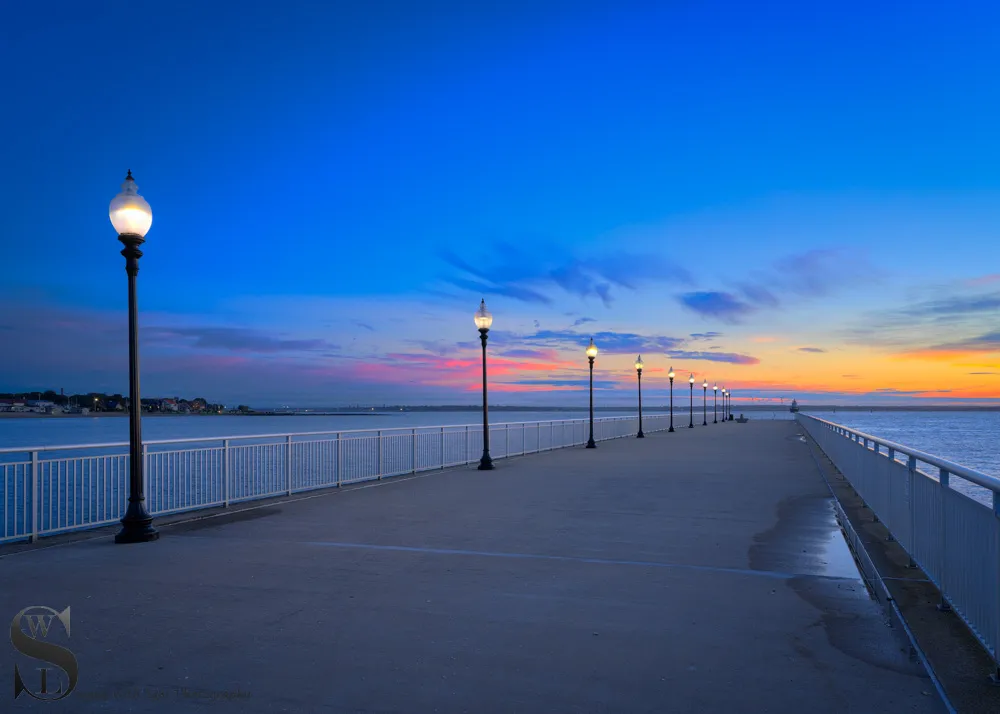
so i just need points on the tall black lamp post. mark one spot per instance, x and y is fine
(132, 217)
(704, 403)
(729, 398)
(671, 375)
(591, 354)
(691, 406)
(638, 371)
(725, 409)
(483, 321)
(715, 405)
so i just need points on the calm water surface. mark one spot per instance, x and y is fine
(968, 438)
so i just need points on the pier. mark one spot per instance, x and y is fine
(691, 572)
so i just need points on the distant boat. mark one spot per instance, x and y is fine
(795, 406)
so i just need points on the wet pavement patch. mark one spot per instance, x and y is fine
(806, 540)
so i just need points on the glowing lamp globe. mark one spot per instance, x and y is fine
(129, 211)
(671, 373)
(592, 349)
(691, 380)
(638, 363)
(704, 385)
(715, 388)
(483, 317)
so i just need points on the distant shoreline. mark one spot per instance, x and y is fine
(388, 411)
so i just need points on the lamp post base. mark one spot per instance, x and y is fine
(690, 426)
(670, 430)
(640, 435)
(591, 444)
(486, 463)
(704, 423)
(137, 531)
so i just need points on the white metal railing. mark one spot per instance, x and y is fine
(946, 517)
(54, 489)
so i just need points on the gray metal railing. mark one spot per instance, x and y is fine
(946, 517)
(56, 489)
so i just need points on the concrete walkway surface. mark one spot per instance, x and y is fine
(699, 571)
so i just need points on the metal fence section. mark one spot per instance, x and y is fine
(946, 517)
(56, 489)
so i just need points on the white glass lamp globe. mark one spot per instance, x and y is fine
(638, 363)
(715, 388)
(671, 373)
(691, 379)
(704, 385)
(592, 349)
(483, 317)
(129, 211)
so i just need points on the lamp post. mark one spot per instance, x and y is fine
(704, 403)
(638, 371)
(723, 405)
(591, 354)
(730, 405)
(483, 321)
(715, 405)
(691, 406)
(132, 217)
(671, 375)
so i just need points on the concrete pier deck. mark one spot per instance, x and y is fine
(700, 571)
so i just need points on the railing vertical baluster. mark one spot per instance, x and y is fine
(442, 447)
(911, 484)
(36, 511)
(506, 439)
(413, 435)
(145, 473)
(996, 586)
(225, 473)
(288, 464)
(339, 465)
(379, 464)
(467, 449)
(943, 479)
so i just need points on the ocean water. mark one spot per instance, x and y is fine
(971, 439)
(67, 431)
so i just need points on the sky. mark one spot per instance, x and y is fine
(794, 200)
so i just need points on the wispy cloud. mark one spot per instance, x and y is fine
(607, 342)
(720, 305)
(730, 357)
(705, 335)
(581, 321)
(235, 339)
(533, 276)
(363, 325)
(817, 350)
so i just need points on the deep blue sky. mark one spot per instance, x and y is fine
(308, 161)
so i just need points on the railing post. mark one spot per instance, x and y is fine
(414, 434)
(911, 484)
(340, 461)
(36, 507)
(506, 437)
(145, 477)
(889, 471)
(442, 447)
(379, 454)
(467, 443)
(943, 478)
(225, 473)
(288, 464)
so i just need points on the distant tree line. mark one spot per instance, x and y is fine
(101, 402)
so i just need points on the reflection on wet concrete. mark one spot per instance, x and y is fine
(806, 540)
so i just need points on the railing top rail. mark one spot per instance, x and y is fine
(202, 439)
(976, 477)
